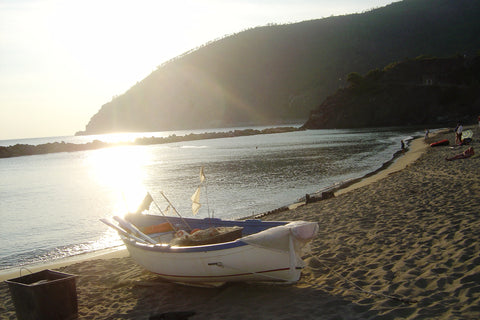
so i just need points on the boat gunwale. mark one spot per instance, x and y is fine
(166, 248)
(140, 220)
(203, 222)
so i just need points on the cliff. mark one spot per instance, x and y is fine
(423, 91)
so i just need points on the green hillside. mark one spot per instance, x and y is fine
(422, 91)
(275, 74)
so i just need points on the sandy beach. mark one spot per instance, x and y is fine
(403, 244)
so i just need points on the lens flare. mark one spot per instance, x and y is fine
(121, 171)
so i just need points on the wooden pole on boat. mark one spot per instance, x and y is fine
(203, 180)
(163, 214)
(174, 209)
(206, 196)
(121, 231)
(131, 227)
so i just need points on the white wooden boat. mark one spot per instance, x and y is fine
(252, 250)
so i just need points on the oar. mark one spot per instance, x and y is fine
(131, 227)
(121, 231)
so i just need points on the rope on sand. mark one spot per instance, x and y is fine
(360, 289)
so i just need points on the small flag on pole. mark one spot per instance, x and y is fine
(145, 205)
(196, 201)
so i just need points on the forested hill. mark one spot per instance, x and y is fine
(422, 91)
(280, 73)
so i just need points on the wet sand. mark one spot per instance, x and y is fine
(402, 245)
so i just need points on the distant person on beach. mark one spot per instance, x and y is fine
(426, 133)
(455, 132)
(465, 154)
(403, 146)
(458, 133)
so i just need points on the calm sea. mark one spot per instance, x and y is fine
(50, 205)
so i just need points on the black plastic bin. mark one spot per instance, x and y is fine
(44, 295)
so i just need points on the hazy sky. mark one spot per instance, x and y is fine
(60, 61)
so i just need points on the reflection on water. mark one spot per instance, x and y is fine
(122, 170)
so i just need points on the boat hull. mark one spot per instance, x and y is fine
(267, 251)
(238, 262)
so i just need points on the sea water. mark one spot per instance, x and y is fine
(50, 205)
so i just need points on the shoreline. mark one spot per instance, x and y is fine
(110, 253)
(20, 150)
(399, 161)
(404, 246)
(415, 150)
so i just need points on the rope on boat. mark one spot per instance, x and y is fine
(360, 289)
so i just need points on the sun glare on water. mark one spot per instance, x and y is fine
(121, 171)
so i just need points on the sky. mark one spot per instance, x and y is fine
(61, 60)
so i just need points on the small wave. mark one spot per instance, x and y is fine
(52, 254)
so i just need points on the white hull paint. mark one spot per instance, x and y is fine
(243, 263)
(267, 251)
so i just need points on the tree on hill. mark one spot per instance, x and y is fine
(422, 91)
